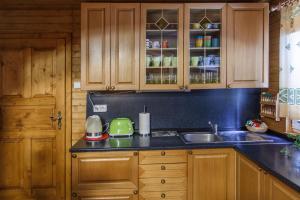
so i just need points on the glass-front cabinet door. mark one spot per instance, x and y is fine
(205, 46)
(161, 47)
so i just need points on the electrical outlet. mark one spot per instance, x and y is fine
(76, 85)
(100, 108)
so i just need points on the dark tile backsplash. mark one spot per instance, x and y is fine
(230, 108)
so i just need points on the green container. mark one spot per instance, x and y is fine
(121, 127)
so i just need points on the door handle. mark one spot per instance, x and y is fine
(58, 118)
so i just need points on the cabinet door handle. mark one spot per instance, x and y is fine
(163, 195)
(163, 153)
(135, 192)
(163, 181)
(163, 167)
(74, 155)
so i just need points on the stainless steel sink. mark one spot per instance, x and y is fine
(199, 137)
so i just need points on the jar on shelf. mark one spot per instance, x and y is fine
(199, 41)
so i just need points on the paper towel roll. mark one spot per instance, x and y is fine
(144, 123)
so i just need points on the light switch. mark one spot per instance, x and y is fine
(76, 85)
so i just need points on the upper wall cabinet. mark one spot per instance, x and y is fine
(161, 47)
(110, 46)
(95, 46)
(248, 45)
(205, 45)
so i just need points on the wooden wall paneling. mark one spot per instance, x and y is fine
(95, 44)
(248, 42)
(125, 35)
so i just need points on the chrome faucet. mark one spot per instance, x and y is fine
(214, 127)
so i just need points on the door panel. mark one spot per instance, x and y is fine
(12, 65)
(248, 174)
(211, 174)
(247, 64)
(95, 46)
(36, 170)
(125, 31)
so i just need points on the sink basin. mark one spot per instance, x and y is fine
(199, 137)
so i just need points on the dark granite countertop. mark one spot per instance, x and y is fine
(264, 154)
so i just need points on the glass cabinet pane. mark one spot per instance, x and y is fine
(205, 36)
(161, 46)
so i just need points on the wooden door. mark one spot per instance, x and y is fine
(250, 180)
(276, 190)
(125, 35)
(248, 45)
(32, 145)
(98, 172)
(209, 69)
(211, 174)
(95, 46)
(161, 66)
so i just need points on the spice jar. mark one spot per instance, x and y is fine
(199, 41)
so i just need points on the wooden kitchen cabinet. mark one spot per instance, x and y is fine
(205, 62)
(95, 46)
(211, 174)
(253, 183)
(163, 175)
(161, 53)
(110, 46)
(107, 195)
(247, 45)
(250, 180)
(95, 173)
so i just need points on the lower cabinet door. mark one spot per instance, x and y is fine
(276, 190)
(211, 174)
(250, 180)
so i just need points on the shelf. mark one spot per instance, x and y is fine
(204, 48)
(208, 67)
(161, 67)
(268, 103)
(159, 49)
(267, 115)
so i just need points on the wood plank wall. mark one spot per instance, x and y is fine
(274, 65)
(55, 16)
(50, 16)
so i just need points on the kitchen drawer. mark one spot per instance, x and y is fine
(162, 184)
(163, 170)
(171, 156)
(169, 195)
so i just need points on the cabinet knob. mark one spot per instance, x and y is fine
(186, 87)
(190, 152)
(74, 194)
(107, 87)
(113, 87)
(135, 153)
(163, 195)
(229, 85)
(163, 181)
(74, 155)
(260, 169)
(135, 192)
(181, 87)
(163, 167)
(265, 172)
(163, 153)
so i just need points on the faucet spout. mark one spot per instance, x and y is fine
(214, 127)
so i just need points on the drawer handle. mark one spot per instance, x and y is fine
(163, 195)
(163, 153)
(163, 167)
(163, 181)
(74, 156)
